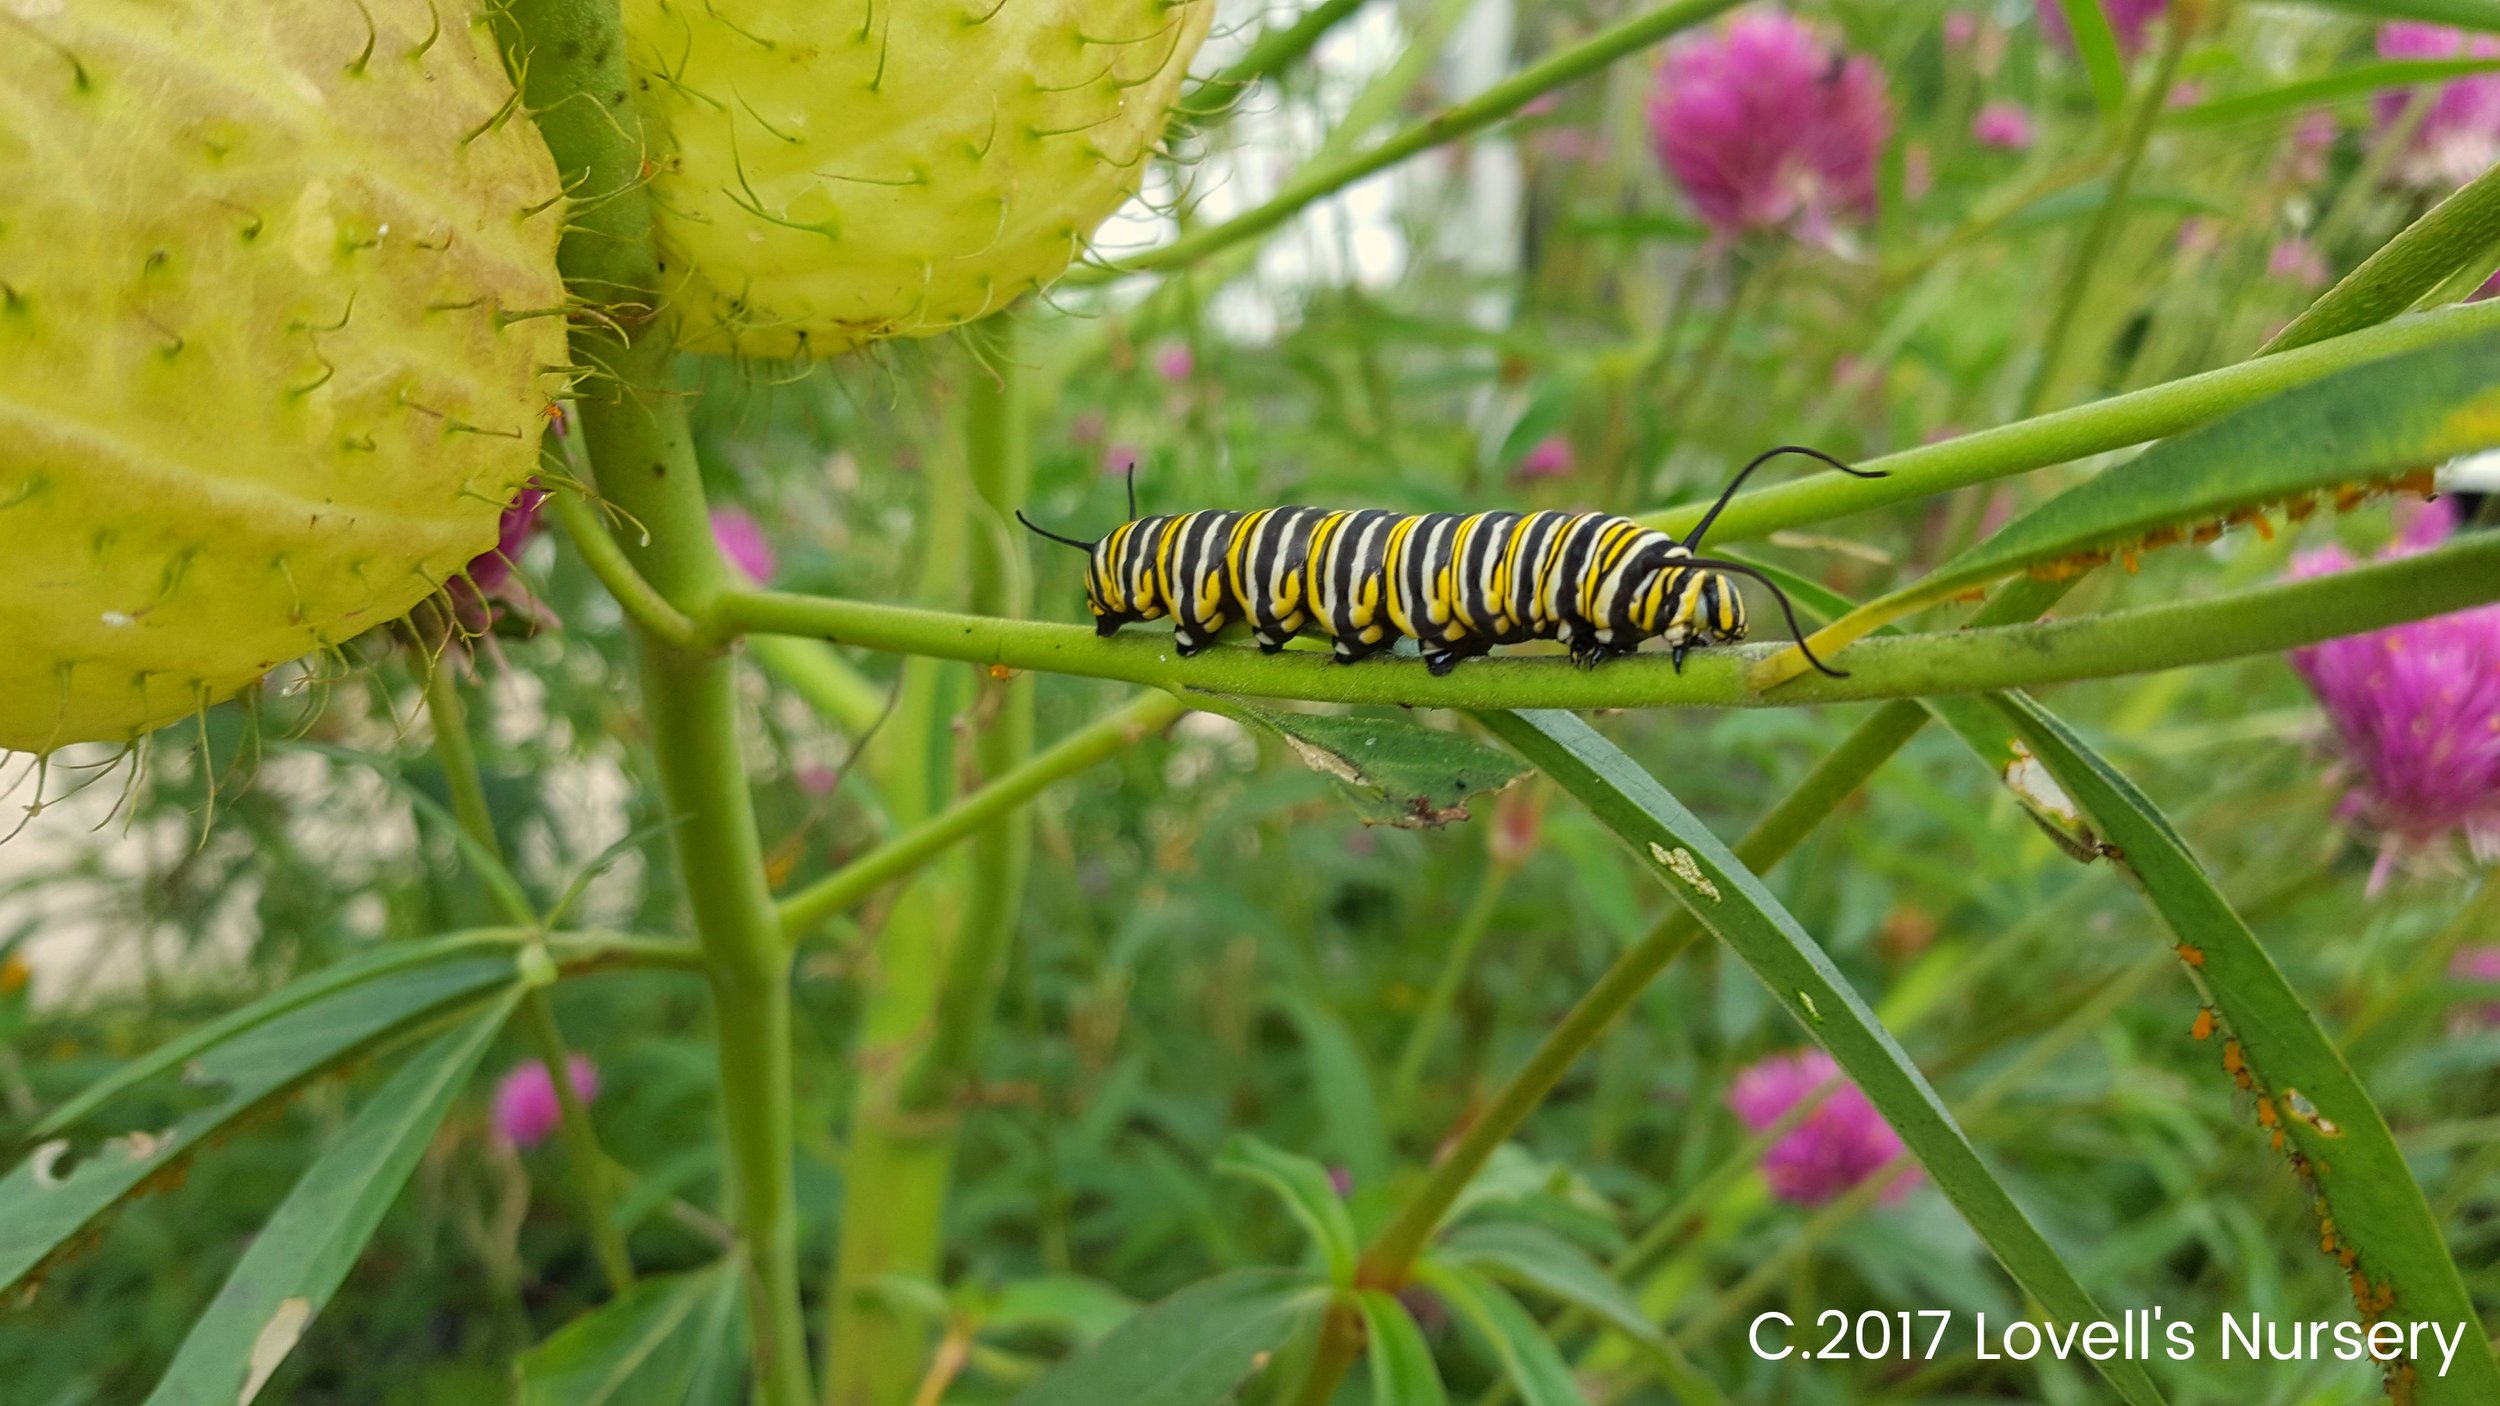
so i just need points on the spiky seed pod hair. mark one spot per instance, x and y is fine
(829, 175)
(278, 308)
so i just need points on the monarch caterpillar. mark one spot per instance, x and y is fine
(1456, 584)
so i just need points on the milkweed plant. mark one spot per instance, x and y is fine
(1755, 704)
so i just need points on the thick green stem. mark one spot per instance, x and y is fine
(943, 954)
(1450, 124)
(458, 751)
(906, 853)
(634, 431)
(2086, 259)
(2262, 620)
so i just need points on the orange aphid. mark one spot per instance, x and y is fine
(2203, 1029)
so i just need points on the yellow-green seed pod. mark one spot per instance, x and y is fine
(829, 175)
(278, 315)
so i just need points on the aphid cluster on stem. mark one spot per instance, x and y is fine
(1457, 584)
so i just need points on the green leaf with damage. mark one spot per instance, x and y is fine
(1393, 770)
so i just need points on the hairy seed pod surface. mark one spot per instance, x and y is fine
(828, 175)
(279, 318)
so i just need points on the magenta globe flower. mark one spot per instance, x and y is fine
(1175, 364)
(2459, 135)
(1835, 1147)
(2002, 126)
(742, 541)
(2416, 713)
(1765, 126)
(2128, 19)
(525, 1101)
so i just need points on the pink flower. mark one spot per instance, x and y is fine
(1835, 1147)
(2459, 136)
(1174, 363)
(2199, 236)
(1764, 126)
(2002, 125)
(2128, 19)
(490, 571)
(741, 540)
(2297, 261)
(1960, 27)
(1550, 457)
(2477, 964)
(2416, 711)
(1120, 459)
(525, 1102)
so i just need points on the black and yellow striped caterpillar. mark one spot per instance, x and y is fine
(1456, 584)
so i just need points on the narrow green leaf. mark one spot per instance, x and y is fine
(1402, 1369)
(316, 1234)
(649, 1347)
(2307, 1097)
(1733, 903)
(1303, 1186)
(1395, 771)
(2097, 46)
(2358, 428)
(330, 980)
(42, 1209)
(1526, 1356)
(2358, 81)
(1192, 1349)
(1537, 1258)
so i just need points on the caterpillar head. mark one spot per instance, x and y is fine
(1691, 607)
(1121, 587)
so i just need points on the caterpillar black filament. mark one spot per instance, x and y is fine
(1456, 584)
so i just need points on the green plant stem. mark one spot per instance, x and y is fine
(2262, 620)
(643, 605)
(906, 853)
(943, 952)
(2062, 436)
(458, 751)
(572, 54)
(2418, 259)
(1450, 124)
(2086, 259)
(1426, 1031)
(997, 445)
